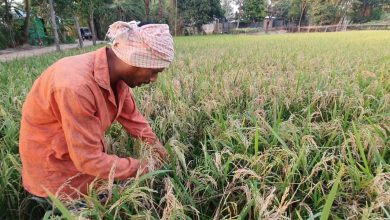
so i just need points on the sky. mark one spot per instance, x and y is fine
(235, 7)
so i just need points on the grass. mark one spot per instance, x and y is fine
(292, 126)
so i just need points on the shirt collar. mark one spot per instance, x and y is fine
(102, 75)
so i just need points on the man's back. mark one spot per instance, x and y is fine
(71, 105)
(64, 117)
(42, 141)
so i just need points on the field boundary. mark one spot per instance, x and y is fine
(336, 28)
(12, 53)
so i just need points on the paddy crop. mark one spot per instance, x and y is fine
(292, 126)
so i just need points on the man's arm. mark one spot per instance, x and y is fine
(137, 126)
(76, 112)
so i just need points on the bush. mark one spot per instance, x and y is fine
(376, 14)
(70, 40)
(49, 40)
(3, 37)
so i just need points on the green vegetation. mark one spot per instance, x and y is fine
(257, 127)
(320, 12)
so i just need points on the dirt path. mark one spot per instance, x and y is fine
(15, 53)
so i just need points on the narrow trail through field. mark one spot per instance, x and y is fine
(15, 53)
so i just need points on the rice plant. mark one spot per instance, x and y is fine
(292, 126)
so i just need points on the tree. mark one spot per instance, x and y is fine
(254, 10)
(77, 26)
(281, 9)
(54, 25)
(199, 12)
(160, 10)
(173, 17)
(7, 17)
(27, 9)
(127, 10)
(240, 12)
(343, 10)
(323, 12)
(269, 13)
(87, 9)
(72, 12)
(227, 9)
(147, 8)
(366, 10)
(92, 8)
(67, 11)
(298, 12)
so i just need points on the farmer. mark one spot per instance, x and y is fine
(74, 102)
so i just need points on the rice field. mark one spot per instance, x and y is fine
(293, 126)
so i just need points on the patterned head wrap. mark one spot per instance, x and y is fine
(148, 46)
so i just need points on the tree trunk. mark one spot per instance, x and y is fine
(61, 35)
(343, 21)
(175, 18)
(367, 10)
(92, 23)
(54, 26)
(160, 10)
(147, 8)
(174, 21)
(120, 16)
(300, 18)
(7, 12)
(26, 21)
(77, 26)
(8, 21)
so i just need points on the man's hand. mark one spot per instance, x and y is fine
(143, 167)
(162, 152)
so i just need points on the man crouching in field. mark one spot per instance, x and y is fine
(75, 100)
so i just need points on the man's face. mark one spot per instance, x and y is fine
(139, 76)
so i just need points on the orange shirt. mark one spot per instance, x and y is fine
(64, 119)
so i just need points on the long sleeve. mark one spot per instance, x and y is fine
(133, 121)
(76, 112)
